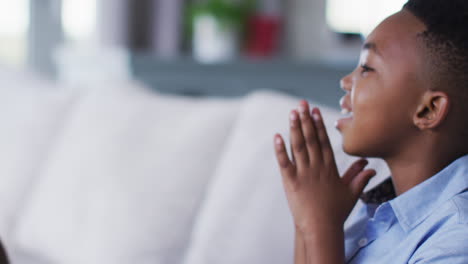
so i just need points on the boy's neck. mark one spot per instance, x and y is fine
(417, 166)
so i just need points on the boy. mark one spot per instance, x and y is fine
(3, 256)
(407, 100)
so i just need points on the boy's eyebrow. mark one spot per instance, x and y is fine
(371, 46)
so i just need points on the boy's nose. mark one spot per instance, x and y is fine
(346, 83)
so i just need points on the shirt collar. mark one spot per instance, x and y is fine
(381, 193)
(413, 206)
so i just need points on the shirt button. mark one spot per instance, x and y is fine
(362, 242)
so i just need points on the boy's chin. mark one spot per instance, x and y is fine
(348, 150)
(354, 145)
(359, 145)
(354, 150)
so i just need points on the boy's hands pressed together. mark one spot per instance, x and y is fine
(319, 199)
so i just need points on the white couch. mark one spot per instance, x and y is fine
(121, 175)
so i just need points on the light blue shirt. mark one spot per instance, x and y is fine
(426, 224)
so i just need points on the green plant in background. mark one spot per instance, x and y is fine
(229, 13)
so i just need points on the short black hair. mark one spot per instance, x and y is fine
(446, 42)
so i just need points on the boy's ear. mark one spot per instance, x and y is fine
(432, 110)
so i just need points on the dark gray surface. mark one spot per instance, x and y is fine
(312, 81)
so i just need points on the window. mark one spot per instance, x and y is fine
(359, 16)
(14, 21)
(79, 19)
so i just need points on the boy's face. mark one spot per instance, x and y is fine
(384, 90)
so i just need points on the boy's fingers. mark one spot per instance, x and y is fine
(286, 166)
(310, 134)
(354, 170)
(360, 181)
(325, 146)
(298, 146)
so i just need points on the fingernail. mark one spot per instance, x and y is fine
(278, 140)
(316, 116)
(293, 116)
(302, 109)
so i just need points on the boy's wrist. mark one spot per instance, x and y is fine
(324, 244)
(318, 226)
(319, 231)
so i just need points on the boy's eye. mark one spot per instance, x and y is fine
(365, 68)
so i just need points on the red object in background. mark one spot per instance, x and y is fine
(263, 35)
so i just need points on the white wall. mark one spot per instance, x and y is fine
(310, 38)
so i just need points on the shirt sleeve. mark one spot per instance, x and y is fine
(444, 247)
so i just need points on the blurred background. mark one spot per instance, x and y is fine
(140, 131)
(79, 40)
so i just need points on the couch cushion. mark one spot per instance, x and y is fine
(245, 218)
(32, 112)
(125, 180)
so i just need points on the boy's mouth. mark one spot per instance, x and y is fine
(347, 113)
(346, 105)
